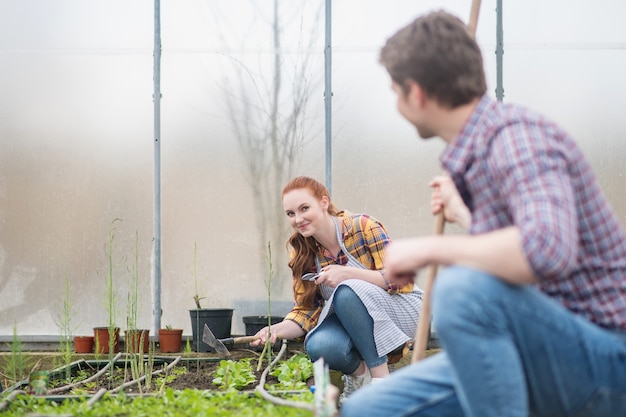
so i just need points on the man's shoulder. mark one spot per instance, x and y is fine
(498, 115)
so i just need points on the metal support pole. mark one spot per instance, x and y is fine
(156, 248)
(328, 95)
(499, 52)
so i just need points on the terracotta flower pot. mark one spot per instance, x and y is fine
(170, 340)
(101, 339)
(137, 340)
(83, 344)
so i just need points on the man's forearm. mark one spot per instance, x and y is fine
(499, 253)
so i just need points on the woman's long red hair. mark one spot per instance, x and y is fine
(305, 249)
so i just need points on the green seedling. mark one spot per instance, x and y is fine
(234, 375)
(293, 373)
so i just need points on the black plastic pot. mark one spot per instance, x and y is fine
(255, 323)
(219, 321)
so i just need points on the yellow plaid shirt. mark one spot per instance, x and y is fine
(365, 238)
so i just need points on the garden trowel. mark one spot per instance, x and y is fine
(220, 344)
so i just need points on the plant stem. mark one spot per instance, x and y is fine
(267, 349)
(65, 327)
(194, 273)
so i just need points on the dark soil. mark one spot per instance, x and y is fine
(200, 374)
(200, 369)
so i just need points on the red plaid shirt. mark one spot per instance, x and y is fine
(513, 167)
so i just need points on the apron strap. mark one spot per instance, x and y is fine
(352, 261)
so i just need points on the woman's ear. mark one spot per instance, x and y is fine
(325, 202)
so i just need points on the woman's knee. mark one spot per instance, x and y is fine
(329, 340)
(347, 304)
(345, 296)
(316, 346)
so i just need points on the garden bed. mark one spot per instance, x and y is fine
(191, 370)
(220, 383)
(186, 386)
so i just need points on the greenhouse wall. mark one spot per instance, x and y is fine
(77, 139)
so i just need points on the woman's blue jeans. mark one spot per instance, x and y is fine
(508, 351)
(345, 337)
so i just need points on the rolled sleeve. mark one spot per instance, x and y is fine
(306, 318)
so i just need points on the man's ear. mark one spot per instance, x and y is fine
(415, 93)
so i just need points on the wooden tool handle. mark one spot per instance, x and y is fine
(423, 328)
(242, 339)
(473, 19)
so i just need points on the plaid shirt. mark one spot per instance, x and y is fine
(365, 238)
(513, 167)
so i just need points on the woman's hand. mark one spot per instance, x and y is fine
(263, 335)
(333, 275)
(286, 329)
(446, 197)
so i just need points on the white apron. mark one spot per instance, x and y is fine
(395, 316)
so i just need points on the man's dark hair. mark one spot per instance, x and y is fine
(439, 54)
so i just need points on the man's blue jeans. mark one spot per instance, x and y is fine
(508, 351)
(345, 336)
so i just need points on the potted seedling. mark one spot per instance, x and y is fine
(219, 320)
(83, 344)
(136, 340)
(106, 339)
(170, 339)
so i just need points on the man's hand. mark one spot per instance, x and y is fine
(404, 257)
(446, 197)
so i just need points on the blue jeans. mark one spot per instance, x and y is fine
(508, 351)
(345, 337)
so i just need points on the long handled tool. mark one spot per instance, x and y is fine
(423, 328)
(220, 344)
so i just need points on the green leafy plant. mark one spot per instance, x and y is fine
(293, 373)
(187, 403)
(234, 375)
(86, 388)
(79, 375)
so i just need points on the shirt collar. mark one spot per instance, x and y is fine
(457, 156)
